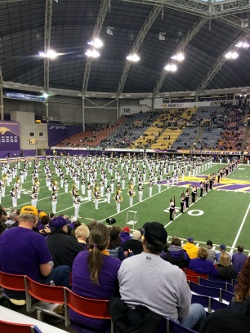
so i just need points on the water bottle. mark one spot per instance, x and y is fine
(51, 283)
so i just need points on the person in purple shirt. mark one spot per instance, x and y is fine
(125, 235)
(94, 275)
(202, 264)
(25, 252)
(239, 258)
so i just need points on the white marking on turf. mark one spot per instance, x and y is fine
(240, 228)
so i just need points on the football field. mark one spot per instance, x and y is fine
(223, 215)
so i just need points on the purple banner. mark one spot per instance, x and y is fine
(57, 133)
(9, 136)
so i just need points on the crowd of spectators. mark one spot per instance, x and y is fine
(132, 269)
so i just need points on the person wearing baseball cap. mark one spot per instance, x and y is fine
(25, 252)
(148, 280)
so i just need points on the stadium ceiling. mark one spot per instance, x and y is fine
(154, 29)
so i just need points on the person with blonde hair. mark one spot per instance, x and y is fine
(94, 275)
(202, 264)
(225, 269)
(82, 234)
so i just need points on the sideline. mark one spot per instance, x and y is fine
(240, 228)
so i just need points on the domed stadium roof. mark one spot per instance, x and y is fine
(154, 29)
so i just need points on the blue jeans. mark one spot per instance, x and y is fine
(196, 317)
(59, 275)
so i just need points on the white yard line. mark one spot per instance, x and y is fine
(239, 231)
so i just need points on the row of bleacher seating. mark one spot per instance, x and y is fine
(212, 295)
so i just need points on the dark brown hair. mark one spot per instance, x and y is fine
(98, 241)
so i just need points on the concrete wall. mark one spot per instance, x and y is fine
(67, 109)
(28, 126)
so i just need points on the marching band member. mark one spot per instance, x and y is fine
(77, 203)
(74, 191)
(150, 184)
(187, 198)
(123, 181)
(118, 199)
(159, 185)
(83, 186)
(140, 191)
(35, 187)
(4, 183)
(96, 195)
(61, 179)
(54, 187)
(18, 187)
(168, 181)
(89, 187)
(13, 194)
(108, 194)
(201, 188)
(54, 201)
(34, 198)
(194, 193)
(171, 209)
(131, 194)
(66, 185)
(182, 202)
(112, 184)
(102, 188)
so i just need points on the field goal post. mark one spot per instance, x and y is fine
(132, 219)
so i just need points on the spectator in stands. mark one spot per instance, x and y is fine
(62, 247)
(147, 280)
(211, 252)
(82, 235)
(134, 244)
(114, 247)
(94, 275)
(222, 250)
(12, 220)
(236, 318)
(29, 253)
(201, 264)
(224, 269)
(239, 258)
(190, 248)
(175, 254)
(125, 235)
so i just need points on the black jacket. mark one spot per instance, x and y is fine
(63, 248)
(138, 320)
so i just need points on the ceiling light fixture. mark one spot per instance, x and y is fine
(171, 68)
(92, 53)
(97, 43)
(243, 45)
(49, 54)
(133, 57)
(231, 55)
(178, 57)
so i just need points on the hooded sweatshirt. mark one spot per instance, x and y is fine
(191, 249)
(176, 256)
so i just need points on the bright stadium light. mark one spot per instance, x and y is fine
(97, 43)
(133, 57)
(171, 68)
(178, 57)
(51, 54)
(92, 53)
(243, 45)
(231, 55)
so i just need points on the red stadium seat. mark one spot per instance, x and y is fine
(8, 327)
